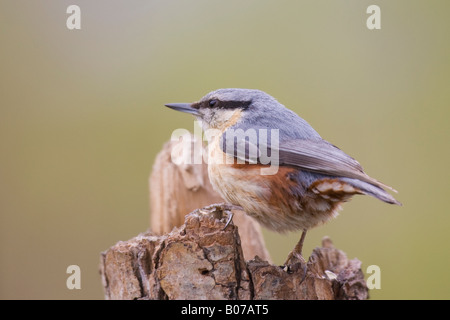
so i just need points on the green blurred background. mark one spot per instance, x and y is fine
(82, 119)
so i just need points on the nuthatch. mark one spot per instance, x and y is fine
(312, 177)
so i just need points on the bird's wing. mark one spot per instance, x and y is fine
(322, 157)
(316, 155)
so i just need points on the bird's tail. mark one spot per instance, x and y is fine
(372, 190)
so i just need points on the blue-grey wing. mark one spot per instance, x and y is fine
(272, 146)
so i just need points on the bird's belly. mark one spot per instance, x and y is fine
(275, 201)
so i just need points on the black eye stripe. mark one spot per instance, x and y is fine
(220, 104)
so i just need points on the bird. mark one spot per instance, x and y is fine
(304, 181)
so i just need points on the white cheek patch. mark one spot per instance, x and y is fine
(224, 116)
(219, 119)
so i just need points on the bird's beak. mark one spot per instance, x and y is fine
(183, 107)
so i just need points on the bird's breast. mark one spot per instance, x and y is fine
(280, 202)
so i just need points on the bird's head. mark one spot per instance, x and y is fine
(224, 108)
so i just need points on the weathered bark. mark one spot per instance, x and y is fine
(203, 260)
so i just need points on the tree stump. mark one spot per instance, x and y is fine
(204, 258)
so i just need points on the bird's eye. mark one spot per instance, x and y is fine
(212, 103)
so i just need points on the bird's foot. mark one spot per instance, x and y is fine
(219, 209)
(295, 262)
(295, 259)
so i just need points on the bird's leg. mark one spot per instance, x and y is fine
(296, 254)
(299, 246)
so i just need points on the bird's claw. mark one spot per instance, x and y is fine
(230, 218)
